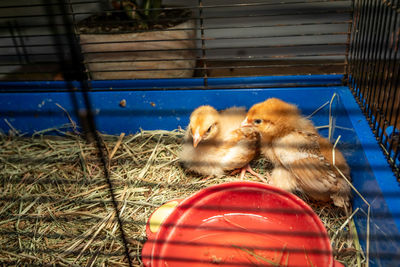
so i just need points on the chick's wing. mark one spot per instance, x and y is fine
(300, 153)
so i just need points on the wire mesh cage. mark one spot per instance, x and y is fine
(210, 39)
(95, 99)
(373, 71)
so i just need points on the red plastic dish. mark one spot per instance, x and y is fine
(239, 224)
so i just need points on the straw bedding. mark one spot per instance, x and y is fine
(56, 207)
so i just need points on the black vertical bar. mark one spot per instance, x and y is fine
(395, 85)
(15, 42)
(22, 42)
(360, 31)
(354, 47)
(88, 116)
(375, 58)
(382, 82)
(373, 43)
(348, 42)
(76, 33)
(366, 72)
(390, 74)
(395, 141)
(203, 44)
(351, 36)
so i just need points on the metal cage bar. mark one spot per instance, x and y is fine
(374, 70)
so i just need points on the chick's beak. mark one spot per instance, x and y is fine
(245, 123)
(196, 139)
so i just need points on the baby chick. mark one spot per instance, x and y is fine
(215, 142)
(302, 158)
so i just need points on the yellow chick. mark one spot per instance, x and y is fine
(302, 158)
(215, 143)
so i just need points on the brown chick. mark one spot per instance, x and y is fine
(302, 158)
(215, 143)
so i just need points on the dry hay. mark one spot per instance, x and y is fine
(56, 207)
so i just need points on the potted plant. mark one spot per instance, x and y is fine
(139, 39)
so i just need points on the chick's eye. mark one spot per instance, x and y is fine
(209, 129)
(257, 121)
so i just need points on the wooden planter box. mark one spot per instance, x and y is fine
(141, 55)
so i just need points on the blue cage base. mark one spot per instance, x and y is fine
(157, 108)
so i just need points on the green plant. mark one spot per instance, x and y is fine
(144, 12)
